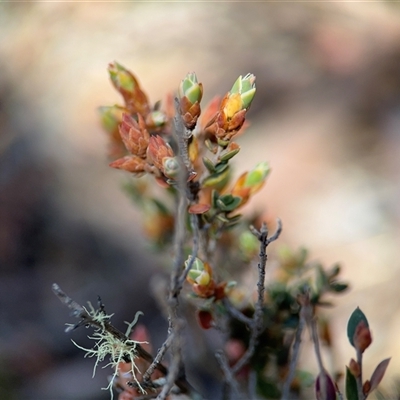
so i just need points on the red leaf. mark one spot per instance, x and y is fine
(378, 374)
(199, 208)
(205, 319)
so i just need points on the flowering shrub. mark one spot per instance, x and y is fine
(180, 161)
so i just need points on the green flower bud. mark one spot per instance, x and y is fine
(197, 268)
(191, 89)
(245, 86)
(257, 175)
(121, 77)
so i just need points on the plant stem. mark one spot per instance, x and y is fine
(294, 359)
(359, 380)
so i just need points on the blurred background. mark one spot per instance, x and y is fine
(326, 116)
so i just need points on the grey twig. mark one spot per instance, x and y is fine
(235, 313)
(228, 373)
(294, 359)
(257, 320)
(178, 275)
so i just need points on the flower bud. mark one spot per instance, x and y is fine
(257, 175)
(203, 279)
(362, 337)
(196, 270)
(126, 83)
(132, 164)
(232, 111)
(251, 182)
(190, 93)
(246, 88)
(158, 150)
(190, 88)
(134, 135)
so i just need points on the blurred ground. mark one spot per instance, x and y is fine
(326, 116)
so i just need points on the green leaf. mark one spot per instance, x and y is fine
(338, 287)
(221, 166)
(354, 320)
(214, 198)
(227, 156)
(228, 202)
(217, 180)
(234, 220)
(209, 164)
(351, 386)
(334, 272)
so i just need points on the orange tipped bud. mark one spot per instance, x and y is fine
(190, 93)
(134, 135)
(132, 164)
(232, 110)
(126, 83)
(251, 182)
(158, 150)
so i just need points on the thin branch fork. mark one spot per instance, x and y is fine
(256, 323)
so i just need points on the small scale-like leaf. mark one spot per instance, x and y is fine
(227, 156)
(378, 374)
(199, 208)
(214, 198)
(228, 202)
(234, 220)
(356, 317)
(217, 180)
(210, 146)
(223, 218)
(209, 164)
(221, 166)
(351, 386)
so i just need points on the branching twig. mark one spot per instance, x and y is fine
(294, 359)
(257, 321)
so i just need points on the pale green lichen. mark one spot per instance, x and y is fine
(108, 345)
